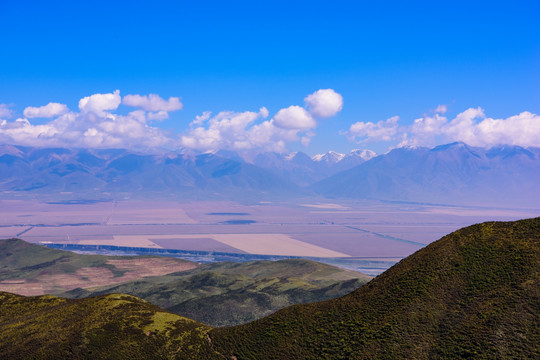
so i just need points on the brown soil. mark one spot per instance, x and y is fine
(89, 277)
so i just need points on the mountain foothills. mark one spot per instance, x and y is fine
(454, 173)
(217, 294)
(472, 294)
(224, 294)
(29, 269)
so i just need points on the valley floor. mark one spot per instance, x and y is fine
(354, 232)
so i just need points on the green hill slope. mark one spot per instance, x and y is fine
(473, 294)
(217, 294)
(30, 269)
(227, 293)
(106, 327)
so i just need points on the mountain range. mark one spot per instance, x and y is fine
(472, 294)
(454, 173)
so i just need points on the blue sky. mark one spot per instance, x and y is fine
(386, 59)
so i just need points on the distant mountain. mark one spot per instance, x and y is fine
(454, 173)
(333, 157)
(330, 157)
(471, 294)
(104, 172)
(304, 170)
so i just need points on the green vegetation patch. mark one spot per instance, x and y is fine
(104, 327)
(472, 294)
(225, 294)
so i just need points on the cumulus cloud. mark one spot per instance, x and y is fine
(153, 102)
(384, 130)
(424, 130)
(294, 117)
(471, 126)
(50, 110)
(158, 115)
(100, 103)
(474, 128)
(95, 126)
(98, 124)
(441, 109)
(229, 130)
(324, 103)
(249, 131)
(5, 111)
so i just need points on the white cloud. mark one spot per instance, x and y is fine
(5, 111)
(247, 131)
(294, 117)
(52, 109)
(93, 126)
(441, 109)
(474, 128)
(199, 119)
(158, 115)
(226, 130)
(424, 130)
(100, 103)
(238, 131)
(264, 112)
(324, 103)
(305, 140)
(153, 102)
(97, 124)
(370, 131)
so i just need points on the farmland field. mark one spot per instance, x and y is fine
(324, 229)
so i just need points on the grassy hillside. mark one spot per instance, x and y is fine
(473, 294)
(30, 269)
(222, 294)
(217, 294)
(105, 327)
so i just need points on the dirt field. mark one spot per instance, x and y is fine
(89, 277)
(305, 228)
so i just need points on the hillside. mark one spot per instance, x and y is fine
(473, 294)
(30, 269)
(216, 294)
(106, 327)
(221, 294)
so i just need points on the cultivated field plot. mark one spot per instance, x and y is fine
(90, 277)
(358, 229)
(148, 212)
(11, 231)
(25, 212)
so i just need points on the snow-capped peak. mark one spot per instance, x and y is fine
(363, 154)
(290, 156)
(329, 157)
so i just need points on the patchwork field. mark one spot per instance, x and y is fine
(325, 229)
(27, 269)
